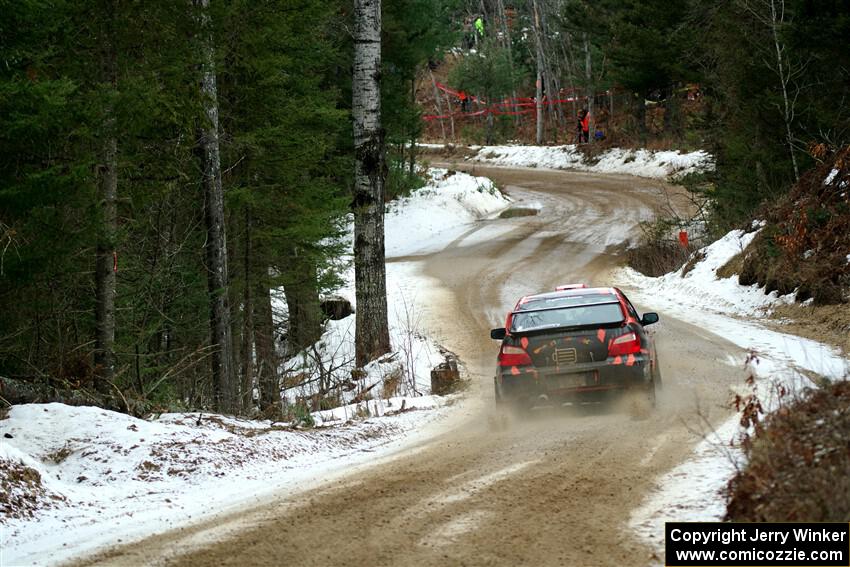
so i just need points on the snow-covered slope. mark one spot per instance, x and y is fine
(641, 163)
(700, 287)
(731, 310)
(692, 491)
(107, 476)
(439, 212)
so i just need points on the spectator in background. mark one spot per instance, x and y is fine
(479, 30)
(464, 101)
(583, 127)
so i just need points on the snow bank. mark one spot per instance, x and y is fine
(427, 221)
(641, 163)
(541, 157)
(701, 288)
(731, 310)
(110, 476)
(438, 213)
(405, 370)
(692, 491)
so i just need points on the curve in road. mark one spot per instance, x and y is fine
(556, 489)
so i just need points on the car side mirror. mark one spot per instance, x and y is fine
(649, 319)
(498, 334)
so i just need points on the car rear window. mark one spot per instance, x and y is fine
(566, 301)
(576, 316)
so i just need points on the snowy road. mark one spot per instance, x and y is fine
(555, 490)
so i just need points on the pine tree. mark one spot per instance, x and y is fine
(646, 49)
(41, 185)
(288, 173)
(96, 103)
(225, 393)
(765, 114)
(414, 32)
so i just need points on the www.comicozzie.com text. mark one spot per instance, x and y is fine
(756, 534)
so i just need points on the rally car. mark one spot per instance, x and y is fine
(576, 344)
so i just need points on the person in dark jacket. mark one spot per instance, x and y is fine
(464, 101)
(583, 127)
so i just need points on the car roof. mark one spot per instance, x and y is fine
(573, 292)
(569, 293)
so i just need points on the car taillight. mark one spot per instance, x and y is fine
(624, 344)
(513, 356)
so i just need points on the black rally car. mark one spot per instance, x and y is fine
(576, 343)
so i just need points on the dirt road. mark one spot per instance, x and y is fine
(553, 490)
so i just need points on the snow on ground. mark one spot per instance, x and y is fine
(700, 286)
(98, 468)
(405, 370)
(731, 310)
(831, 176)
(692, 491)
(108, 476)
(434, 216)
(78, 478)
(641, 163)
(439, 212)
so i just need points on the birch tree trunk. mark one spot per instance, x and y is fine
(640, 116)
(591, 95)
(568, 53)
(772, 15)
(777, 17)
(451, 116)
(558, 107)
(551, 82)
(506, 44)
(538, 36)
(490, 122)
(413, 133)
(225, 389)
(553, 92)
(106, 255)
(372, 335)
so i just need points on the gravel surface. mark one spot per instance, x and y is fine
(555, 489)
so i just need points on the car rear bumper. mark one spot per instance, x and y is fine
(519, 383)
